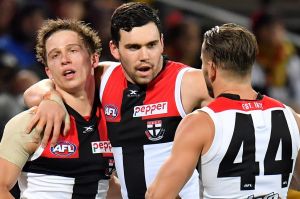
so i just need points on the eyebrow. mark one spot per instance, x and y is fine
(68, 46)
(138, 45)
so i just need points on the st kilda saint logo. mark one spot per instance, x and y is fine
(154, 130)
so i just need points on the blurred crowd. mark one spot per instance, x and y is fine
(276, 71)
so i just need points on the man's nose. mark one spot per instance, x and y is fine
(65, 58)
(144, 53)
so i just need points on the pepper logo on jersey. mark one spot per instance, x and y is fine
(101, 147)
(150, 109)
(154, 130)
(63, 149)
(111, 111)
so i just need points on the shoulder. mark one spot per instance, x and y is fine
(197, 121)
(197, 128)
(195, 77)
(198, 117)
(194, 90)
(194, 73)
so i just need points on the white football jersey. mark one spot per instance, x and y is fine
(254, 149)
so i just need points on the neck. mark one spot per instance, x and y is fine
(82, 100)
(241, 87)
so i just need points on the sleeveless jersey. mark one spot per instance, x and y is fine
(141, 122)
(76, 167)
(254, 149)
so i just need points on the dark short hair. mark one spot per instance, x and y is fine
(231, 47)
(90, 37)
(130, 15)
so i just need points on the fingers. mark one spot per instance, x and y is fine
(66, 125)
(48, 119)
(48, 130)
(45, 139)
(56, 131)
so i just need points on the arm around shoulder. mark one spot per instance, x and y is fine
(34, 94)
(51, 112)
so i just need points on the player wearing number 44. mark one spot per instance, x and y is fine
(248, 142)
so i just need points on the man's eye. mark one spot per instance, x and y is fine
(151, 45)
(54, 56)
(134, 47)
(74, 50)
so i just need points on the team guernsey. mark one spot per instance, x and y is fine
(141, 123)
(77, 167)
(254, 149)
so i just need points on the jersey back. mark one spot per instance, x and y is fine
(254, 149)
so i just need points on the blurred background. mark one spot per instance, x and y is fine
(276, 24)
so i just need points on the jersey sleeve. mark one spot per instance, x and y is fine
(15, 143)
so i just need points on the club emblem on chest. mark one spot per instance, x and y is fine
(154, 130)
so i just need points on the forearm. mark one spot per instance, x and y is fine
(114, 190)
(34, 94)
(167, 183)
(4, 193)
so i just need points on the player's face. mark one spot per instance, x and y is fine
(205, 64)
(69, 63)
(139, 52)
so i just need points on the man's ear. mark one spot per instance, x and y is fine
(48, 72)
(212, 72)
(114, 50)
(95, 60)
(162, 42)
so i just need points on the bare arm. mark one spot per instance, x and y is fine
(9, 173)
(34, 94)
(194, 92)
(193, 137)
(114, 191)
(51, 112)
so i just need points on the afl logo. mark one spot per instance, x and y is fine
(111, 111)
(63, 149)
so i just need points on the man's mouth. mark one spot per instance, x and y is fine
(144, 68)
(68, 72)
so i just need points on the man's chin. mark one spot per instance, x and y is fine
(143, 81)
